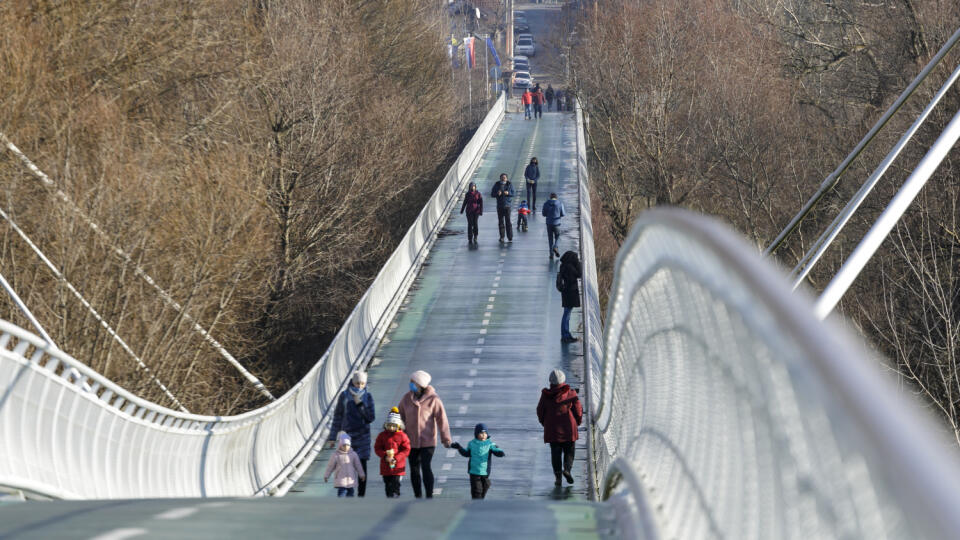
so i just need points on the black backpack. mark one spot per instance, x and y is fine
(561, 283)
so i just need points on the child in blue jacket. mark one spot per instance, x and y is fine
(480, 450)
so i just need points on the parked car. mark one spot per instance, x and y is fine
(521, 58)
(522, 79)
(520, 27)
(526, 36)
(525, 46)
(521, 66)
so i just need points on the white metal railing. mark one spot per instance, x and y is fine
(728, 410)
(68, 432)
(590, 301)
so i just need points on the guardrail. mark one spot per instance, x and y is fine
(68, 432)
(590, 302)
(728, 410)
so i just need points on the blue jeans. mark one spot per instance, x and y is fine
(526, 111)
(532, 195)
(565, 323)
(344, 492)
(553, 236)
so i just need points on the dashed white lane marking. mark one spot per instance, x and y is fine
(441, 480)
(451, 453)
(491, 299)
(478, 350)
(473, 373)
(489, 306)
(458, 423)
(177, 513)
(486, 322)
(469, 384)
(466, 396)
(480, 341)
(496, 278)
(119, 534)
(437, 491)
(495, 285)
(446, 467)
(487, 314)
(463, 409)
(499, 272)
(493, 291)
(475, 360)
(483, 330)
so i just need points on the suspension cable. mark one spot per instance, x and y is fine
(137, 268)
(92, 310)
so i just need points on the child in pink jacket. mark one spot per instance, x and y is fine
(345, 466)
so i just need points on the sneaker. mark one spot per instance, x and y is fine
(568, 476)
(509, 240)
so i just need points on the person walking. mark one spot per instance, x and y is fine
(480, 451)
(353, 414)
(527, 99)
(345, 466)
(473, 204)
(560, 412)
(538, 100)
(503, 192)
(393, 447)
(553, 210)
(569, 288)
(532, 174)
(423, 415)
(558, 95)
(549, 95)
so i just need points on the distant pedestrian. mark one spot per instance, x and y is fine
(480, 450)
(393, 447)
(553, 210)
(527, 99)
(567, 276)
(353, 414)
(503, 192)
(559, 98)
(423, 414)
(549, 95)
(473, 204)
(569, 99)
(345, 465)
(560, 412)
(538, 99)
(531, 174)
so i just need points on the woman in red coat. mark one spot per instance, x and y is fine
(560, 412)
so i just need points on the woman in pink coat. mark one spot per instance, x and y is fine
(423, 414)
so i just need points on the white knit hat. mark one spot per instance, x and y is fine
(557, 377)
(343, 439)
(421, 378)
(393, 417)
(360, 377)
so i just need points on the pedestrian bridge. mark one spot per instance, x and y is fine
(717, 405)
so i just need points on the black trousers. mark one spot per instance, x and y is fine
(472, 226)
(419, 462)
(503, 222)
(362, 483)
(391, 484)
(532, 195)
(567, 451)
(479, 486)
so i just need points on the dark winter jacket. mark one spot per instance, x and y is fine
(503, 193)
(400, 444)
(538, 97)
(549, 93)
(532, 173)
(553, 211)
(355, 419)
(559, 412)
(571, 271)
(472, 203)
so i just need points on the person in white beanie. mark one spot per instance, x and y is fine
(345, 465)
(560, 412)
(393, 447)
(422, 411)
(353, 414)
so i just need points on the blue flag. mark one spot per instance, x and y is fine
(493, 51)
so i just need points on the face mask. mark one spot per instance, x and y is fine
(414, 388)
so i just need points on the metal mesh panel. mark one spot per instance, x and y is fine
(736, 414)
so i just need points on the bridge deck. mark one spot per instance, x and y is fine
(484, 322)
